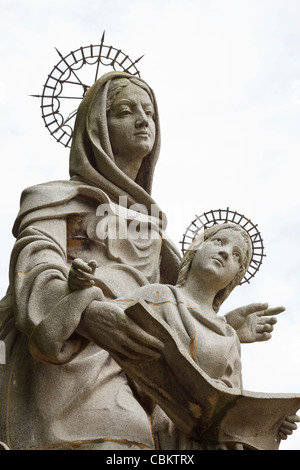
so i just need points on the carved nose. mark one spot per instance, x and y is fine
(224, 253)
(142, 119)
(141, 122)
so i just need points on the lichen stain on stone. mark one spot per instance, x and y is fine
(213, 400)
(196, 410)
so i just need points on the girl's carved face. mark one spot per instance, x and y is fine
(221, 257)
(131, 123)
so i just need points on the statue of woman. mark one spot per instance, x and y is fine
(58, 390)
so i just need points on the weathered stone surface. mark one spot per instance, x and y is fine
(81, 369)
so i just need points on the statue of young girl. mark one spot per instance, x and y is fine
(211, 268)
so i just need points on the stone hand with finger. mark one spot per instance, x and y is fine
(81, 274)
(254, 322)
(106, 324)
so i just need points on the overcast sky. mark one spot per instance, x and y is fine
(226, 74)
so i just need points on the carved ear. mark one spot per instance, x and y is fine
(242, 272)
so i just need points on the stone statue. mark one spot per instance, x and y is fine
(211, 268)
(58, 388)
(82, 247)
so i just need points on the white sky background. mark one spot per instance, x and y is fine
(226, 74)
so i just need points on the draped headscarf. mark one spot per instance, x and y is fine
(91, 156)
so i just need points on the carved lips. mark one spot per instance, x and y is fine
(142, 134)
(219, 260)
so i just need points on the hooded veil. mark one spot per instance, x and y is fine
(91, 157)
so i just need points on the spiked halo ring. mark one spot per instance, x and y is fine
(69, 81)
(219, 216)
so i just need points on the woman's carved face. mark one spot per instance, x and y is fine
(131, 124)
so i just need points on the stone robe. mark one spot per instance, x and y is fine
(57, 390)
(212, 345)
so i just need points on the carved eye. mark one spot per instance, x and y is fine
(125, 112)
(149, 113)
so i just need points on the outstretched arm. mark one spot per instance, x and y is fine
(254, 322)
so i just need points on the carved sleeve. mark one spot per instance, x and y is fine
(45, 310)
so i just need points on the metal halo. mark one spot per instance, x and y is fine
(67, 76)
(218, 216)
